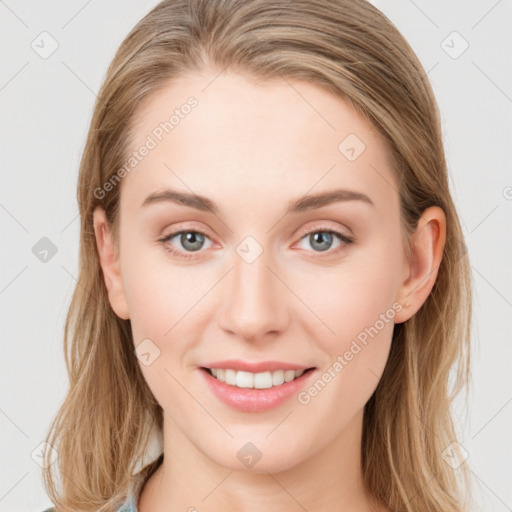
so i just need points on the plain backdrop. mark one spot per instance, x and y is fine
(46, 102)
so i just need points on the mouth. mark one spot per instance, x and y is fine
(260, 380)
(256, 392)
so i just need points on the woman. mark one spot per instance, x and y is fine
(272, 272)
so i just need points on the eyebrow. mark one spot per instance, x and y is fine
(302, 204)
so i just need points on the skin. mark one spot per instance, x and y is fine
(251, 148)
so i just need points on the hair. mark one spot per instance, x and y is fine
(349, 48)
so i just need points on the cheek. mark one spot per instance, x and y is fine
(348, 301)
(355, 336)
(159, 293)
(149, 302)
(353, 319)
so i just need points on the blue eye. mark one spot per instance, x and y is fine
(189, 240)
(193, 241)
(323, 239)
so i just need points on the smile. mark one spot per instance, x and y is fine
(261, 380)
(255, 392)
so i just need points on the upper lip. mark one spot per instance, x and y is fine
(255, 367)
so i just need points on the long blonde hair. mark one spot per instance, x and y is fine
(351, 49)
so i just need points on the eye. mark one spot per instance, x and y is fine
(191, 241)
(321, 239)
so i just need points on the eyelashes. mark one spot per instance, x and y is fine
(341, 237)
(178, 253)
(344, 239)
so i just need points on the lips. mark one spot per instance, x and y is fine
(255, 367)
(248, 399)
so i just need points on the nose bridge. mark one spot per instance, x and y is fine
(253, 304)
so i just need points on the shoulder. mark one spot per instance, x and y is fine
(129, 505)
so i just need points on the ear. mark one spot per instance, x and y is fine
(427, 245)
(110, 264)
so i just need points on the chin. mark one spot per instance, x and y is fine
(254, 458)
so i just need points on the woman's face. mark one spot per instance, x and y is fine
(258, 277)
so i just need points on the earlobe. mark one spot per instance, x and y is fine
(110, 264)
(427, 246)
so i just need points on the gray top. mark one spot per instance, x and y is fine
(130, 505)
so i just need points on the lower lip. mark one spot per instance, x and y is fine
(255, 400)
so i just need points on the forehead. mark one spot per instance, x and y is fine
(244, 143)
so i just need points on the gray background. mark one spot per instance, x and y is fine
(46, 107)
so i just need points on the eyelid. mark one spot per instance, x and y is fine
(345, 239)
(325, 226)
(319, 226)
(184, 227)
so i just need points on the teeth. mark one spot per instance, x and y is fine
(261, 380)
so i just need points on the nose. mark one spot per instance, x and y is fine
(254, 307)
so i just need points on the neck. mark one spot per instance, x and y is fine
(327, 480)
